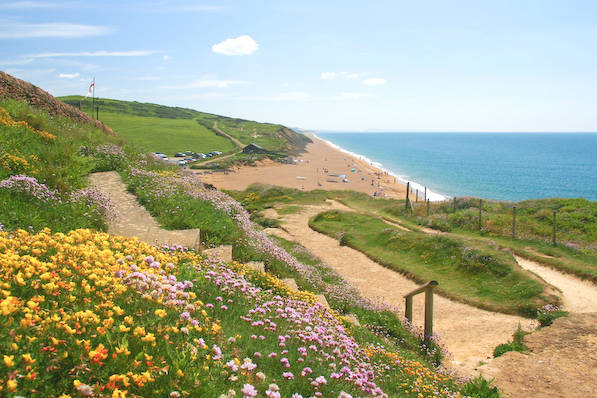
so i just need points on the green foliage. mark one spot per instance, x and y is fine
(470, 271)
(516, 344)
(480, 388)
(547, 318)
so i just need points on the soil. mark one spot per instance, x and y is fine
(133, 219)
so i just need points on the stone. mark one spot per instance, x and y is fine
(257, 265)
(322, 300)
(223, 253)
(291, 283)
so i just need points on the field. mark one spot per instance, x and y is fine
(160, 128)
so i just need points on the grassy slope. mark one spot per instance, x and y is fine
(469, 271)
(171, 129)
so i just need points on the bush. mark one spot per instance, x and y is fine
(515, 345)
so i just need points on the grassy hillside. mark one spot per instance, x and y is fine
(86, 313)
(169, 130)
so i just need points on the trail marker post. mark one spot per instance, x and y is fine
(417, 197)
(425, 194)
(454, 204)
(427, 207)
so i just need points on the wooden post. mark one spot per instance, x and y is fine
(425, 194)
(409, 308)
(417, 197)
(480, 213)
(427, 207)
(97, 112)
(514, 222)
(428, 289)
(407, 193)
(429, 311)
(454, 204)
(554, 229)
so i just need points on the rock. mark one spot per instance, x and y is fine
(352, 318)
(257, 265)
(291, 283)
(322, 300)
(223, 253)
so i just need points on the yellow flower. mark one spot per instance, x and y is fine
(28, 360)
(12, 385)
(9, 361)
(161, 313)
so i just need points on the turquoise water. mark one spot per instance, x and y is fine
(503, 166)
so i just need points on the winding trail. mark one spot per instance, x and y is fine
(133, 219)
(578, 296)
(471, 334)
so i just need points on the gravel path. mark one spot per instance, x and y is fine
(133, 219)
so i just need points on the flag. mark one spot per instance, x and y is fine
(91, 89)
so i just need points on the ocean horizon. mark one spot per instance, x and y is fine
(502, 166)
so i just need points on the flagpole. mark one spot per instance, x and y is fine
(93, 93)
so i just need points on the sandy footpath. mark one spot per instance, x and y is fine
(319, 168)
(470, 333)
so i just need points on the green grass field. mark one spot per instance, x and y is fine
(166, 129)
(166, 135)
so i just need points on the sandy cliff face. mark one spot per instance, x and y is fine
(11, 87)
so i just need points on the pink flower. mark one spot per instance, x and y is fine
(288, 375)
(249, 391)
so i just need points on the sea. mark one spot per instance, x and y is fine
(501, 166)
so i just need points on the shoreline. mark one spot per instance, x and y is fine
(431, 195)
(323, 165)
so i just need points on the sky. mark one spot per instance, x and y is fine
(520, 65)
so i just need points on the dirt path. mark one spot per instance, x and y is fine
(237, 142)
(470, 333)
(578, 295)
(562, 363)
(133, 219)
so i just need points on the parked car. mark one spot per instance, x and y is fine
(182, 162)
(188, 152)
(179, 155)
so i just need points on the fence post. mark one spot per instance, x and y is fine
(554, 228)
(407, 194)
(409, 308)
(425, 194)
(454, 204)
(429, 311)
(514, 222)
(480, 212)
(427, 207)
(417, 197)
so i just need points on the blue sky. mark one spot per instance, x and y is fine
(342, 65)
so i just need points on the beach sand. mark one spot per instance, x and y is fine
(318, 168)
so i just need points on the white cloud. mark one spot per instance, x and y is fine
(132, 53)
(353, 75)
(375, 81)
(293, 96)
(68, 75)
(328, 75)
(166, 57)
(207, 83)
(353, 96)
(242, 45)
(15, 30)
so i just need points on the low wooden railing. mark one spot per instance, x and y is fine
(428, 289)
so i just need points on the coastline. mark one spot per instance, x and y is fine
(322, 166)
(431, 195)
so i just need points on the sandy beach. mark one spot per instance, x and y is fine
(320, 167)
